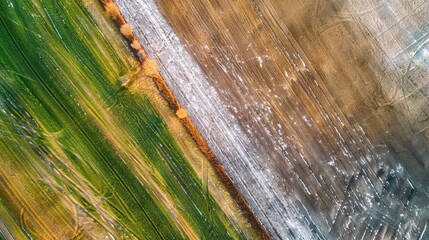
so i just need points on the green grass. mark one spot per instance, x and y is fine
(89, 157)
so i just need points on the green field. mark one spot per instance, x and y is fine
(80, 156)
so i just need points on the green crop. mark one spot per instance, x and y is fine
(80, 156)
